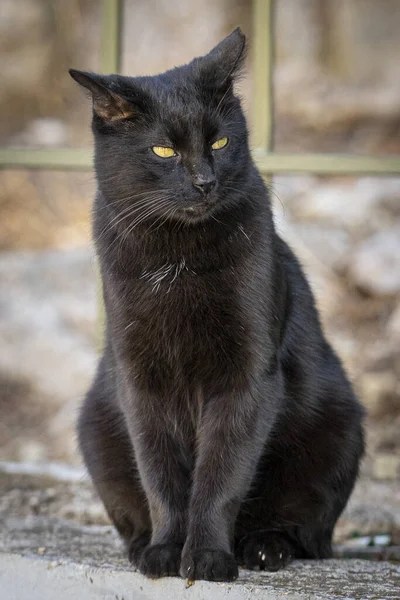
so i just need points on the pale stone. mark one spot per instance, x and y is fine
(380, 393)
(393, 326)
(386, 466)
(375, 265)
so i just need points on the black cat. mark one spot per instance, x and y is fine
(220, 428)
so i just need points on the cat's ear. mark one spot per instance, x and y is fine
(106, 104)
(225, 60)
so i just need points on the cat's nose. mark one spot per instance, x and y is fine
(204, 184)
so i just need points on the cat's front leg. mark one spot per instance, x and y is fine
(164, 463)
(232, 435)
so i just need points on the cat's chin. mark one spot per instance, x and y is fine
(198, 212)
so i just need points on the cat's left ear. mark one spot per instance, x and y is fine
(224, 62)
(106, 103)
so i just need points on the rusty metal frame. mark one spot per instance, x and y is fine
(268, 161)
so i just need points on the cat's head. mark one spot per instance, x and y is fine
(173, 145)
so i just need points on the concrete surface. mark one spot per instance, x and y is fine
(43, 558)
(55, 544)
(63, 491)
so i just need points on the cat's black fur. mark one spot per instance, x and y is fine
(220, 428)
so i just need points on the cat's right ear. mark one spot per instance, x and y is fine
(106, 104)
(223, 63)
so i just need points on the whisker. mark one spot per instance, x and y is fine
(125, 234)
(134, 197)
(145, 216)
(128, 212)
(168, 214)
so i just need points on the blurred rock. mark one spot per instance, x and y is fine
(386, 466)
(46, 133)
(49, 490)
(393, 326)
(358, 206)
(332, 245)
(380, 393)
(44, 209)
(47, 355)
(375, 264)
(373, 509)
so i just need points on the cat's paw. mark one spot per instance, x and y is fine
(160, 560)
(137, 547)
(267, 551)
(211, 565)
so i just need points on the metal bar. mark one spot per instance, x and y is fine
(64, 159)
(110, 45)
(110, 61)
(327, 164)
(263, 67)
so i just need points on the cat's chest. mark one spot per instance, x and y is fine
(187, 327)
(170, 276)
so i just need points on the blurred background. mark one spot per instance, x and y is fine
(337, 89)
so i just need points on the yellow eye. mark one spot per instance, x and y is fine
(163, 151)
(220, 143)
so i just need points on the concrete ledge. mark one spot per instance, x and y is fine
(45, 558)
(26, 578)
(56, 544)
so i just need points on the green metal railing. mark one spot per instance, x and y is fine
(268, 161)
